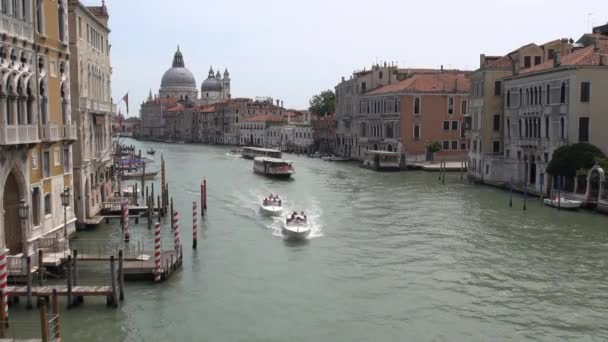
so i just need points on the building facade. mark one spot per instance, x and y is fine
(556, 103)
(91, 106)
(324, 134)
(36, 132)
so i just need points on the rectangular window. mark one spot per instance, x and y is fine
(48, 210)
(36, 206)
(46, 164)
(496, 125)
(496, 147)
(463, 107)
(463, 146)
(454, 125)
(417, 132)
(508, 153)
(416, 106)
(363, 87)
(446, 125)
(450, 105)
(497, 88)
(547, 127)
(454, 144)
(527, 61)
(446, 145)
(585, 91)
(66, 160)
(79, 27)
(537, 60)
(56, 157)
(546, 155)
(583, 130)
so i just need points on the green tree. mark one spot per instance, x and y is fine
(432, 147)
(323, 103)
(567, 160)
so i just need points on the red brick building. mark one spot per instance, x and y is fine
(324, 133)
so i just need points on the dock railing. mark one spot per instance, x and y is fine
(102, 249)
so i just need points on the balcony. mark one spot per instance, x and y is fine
(50, 133)
(96, 107)
(529, 143)
(18, 134)
(68, 132)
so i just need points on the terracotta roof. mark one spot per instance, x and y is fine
(429, 83)
(503, 62)
(178, 108)
(206, 109)
(581, 57)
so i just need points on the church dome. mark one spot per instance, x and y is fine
(211, 83)
(178, 75)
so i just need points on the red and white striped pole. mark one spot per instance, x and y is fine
(3, 283)
(194, 225)
(176, 230)
(125, 218)
(157, 252)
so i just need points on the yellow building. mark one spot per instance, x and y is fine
(35, 127)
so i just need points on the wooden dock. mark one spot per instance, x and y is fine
(62, 290)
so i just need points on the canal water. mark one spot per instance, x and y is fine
(393, 257)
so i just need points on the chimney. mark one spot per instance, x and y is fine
(441, 67)
(557, 61)
(456, 84)
(596, 45)
(482, 60)
(342, 78)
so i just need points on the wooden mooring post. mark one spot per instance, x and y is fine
(121, 276)
(76, 278)
(44, 323)
(113, 301)
(55, 303)
(69, 276)
(28, 271)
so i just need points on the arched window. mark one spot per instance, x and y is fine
(562, 123)
(508, 98)
(9, 105)
(29, 107)
(527, 96)
(61, 20)
(416, 105)
(535, 95)
(548, 94)
(509, 128)
(521, 97)
(520, 128)
(19, 100)
(562, 94)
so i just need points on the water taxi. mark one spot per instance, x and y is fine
(139, 174)
(253, 152)
(272, 206)
(273, 167)
(296, 227)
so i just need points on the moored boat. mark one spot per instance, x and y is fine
(138, 175)
(151, 151)
(273, 167)
(563, 203)
(296, 227)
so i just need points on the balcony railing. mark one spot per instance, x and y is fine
(68, 132)
(18, 134)
(50, 132)
(96, 107)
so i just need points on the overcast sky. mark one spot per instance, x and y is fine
(291, 50)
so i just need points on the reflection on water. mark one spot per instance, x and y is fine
(395, 256)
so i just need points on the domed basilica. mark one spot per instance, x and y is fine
(179, 83)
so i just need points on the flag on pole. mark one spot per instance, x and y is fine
(126, 99)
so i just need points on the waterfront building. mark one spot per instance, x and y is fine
(36, 131)
(253, 130)
(485, 116)
(91, 107)
(324, 133)
(292, 137)
(428, 106)
(152, 118)
(555, 103)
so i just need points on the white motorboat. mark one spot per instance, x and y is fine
(296, 228)
(563, 203)
(272, 207)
